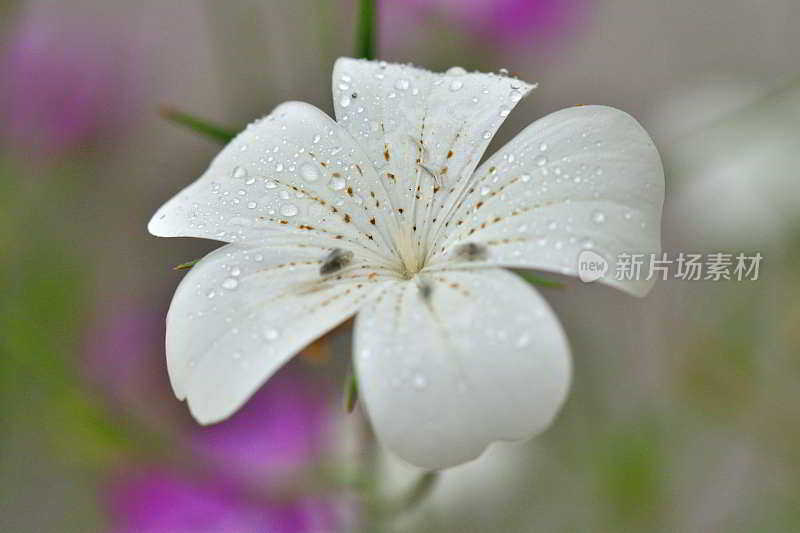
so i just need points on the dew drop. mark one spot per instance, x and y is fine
(230, 284)
(239, 172)
(337, 184)
(523, 340)
(345, 101)
(540, 160)
(309, 172)
(271, 334)
(420, 382)
(485, 190)
(402, 84)
(456, 71)
(456, 85)
(543, 147)
(598, 217)
(289, 210)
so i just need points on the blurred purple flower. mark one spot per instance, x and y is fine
(281, 428)
(124, 354)
(499, 22)
(63, 81)
(286, 425)
(162, 502)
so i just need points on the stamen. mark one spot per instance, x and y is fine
(471, 251)
(335, 261)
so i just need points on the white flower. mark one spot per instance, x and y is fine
(383, 213)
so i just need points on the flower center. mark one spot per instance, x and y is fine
(411, 256)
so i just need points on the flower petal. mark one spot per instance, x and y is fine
(581, 178)
(243, 311)
(471, 358)
(423, 131)
(294, 172)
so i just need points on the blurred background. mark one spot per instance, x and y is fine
(683, 415)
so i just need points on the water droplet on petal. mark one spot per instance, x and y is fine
(598, 217)
(456, 71)
(524, 340)
(289, 210)
(239, 172)
(420, 382)
(337, 184)
(402, 84)
(345, 101)
(230, 284)
(271, 334)
(456, 85)
(309, 172)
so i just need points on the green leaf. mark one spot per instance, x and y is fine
(198, 125)
(367, 30)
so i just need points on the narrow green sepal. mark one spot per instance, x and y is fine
(419, 491)
(186, 266)
(351, 393)
(198, 125)
(533, 279)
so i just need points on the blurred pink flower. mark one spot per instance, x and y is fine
(283, 427)
(124, 355)
(280, 429)
(155, 501)
(64, 81)
(499, 22)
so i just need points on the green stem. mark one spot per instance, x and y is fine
(367, 31)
